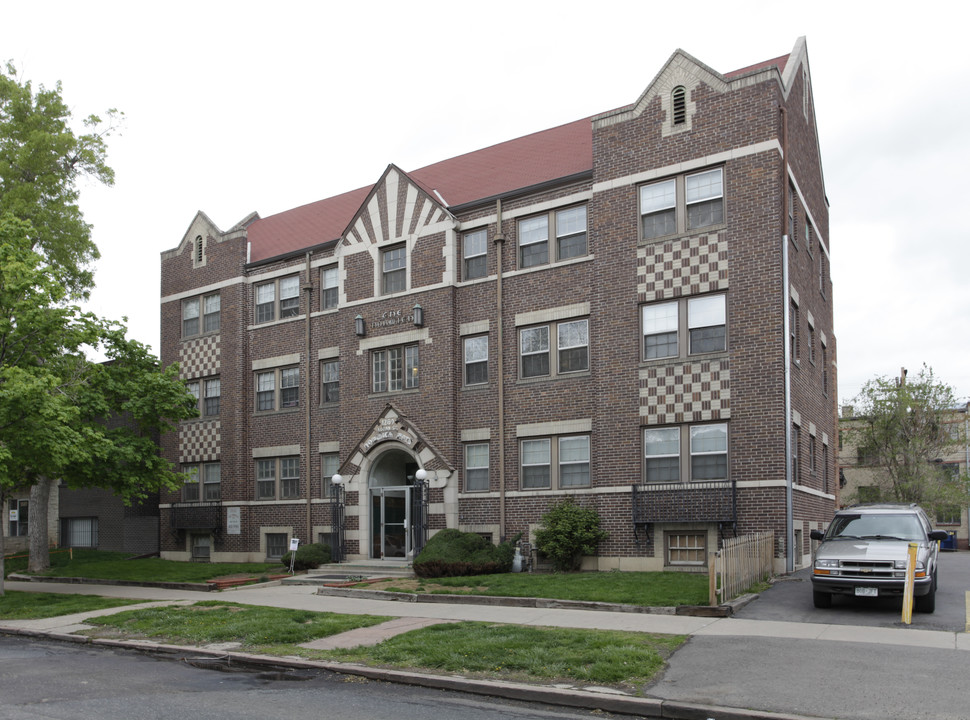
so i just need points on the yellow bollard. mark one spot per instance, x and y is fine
(908, 587)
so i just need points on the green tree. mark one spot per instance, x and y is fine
(54, 401)
(903, 434)
(41, 161)
(568, 532)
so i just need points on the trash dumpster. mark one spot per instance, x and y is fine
(951, 541)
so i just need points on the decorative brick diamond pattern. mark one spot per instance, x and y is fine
(200, 357)
(686, 392)
(686, 266)
(200, 441)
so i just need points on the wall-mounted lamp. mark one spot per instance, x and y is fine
(359, 326)
(418, 315)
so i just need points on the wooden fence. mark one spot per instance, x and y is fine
(739, 564)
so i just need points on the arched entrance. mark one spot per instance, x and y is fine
(390, 487)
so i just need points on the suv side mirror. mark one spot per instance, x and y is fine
(817, 535)
(939, 535)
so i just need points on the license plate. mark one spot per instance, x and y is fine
(866, 592)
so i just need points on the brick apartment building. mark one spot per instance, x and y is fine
(632, 310)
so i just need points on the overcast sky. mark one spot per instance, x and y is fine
(235, 107)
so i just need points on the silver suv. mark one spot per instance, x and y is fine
(864, 554)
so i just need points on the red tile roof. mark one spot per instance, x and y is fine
(521, 163)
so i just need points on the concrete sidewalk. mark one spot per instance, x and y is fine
(722, 632)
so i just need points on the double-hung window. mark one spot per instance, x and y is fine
(705, 199)
(394, 268)
(200, 315)
(566, 226)
(706, 324)
(277, 389)
(536, 463)
(190, 317)
(682, 204)
(213, 396)
(572, 349)
(18, 512)
(658, 209)
(706, 460)
(708, 452)
(476, 467)
(330, 381)
(697, 324)
(395, 369)
(554, 462)
(210, 475)
(474, 255)
(662, 453)
(660, 330)
(574, 461)
(476, 359)
(212, 312)
(278, 298)
(278, 478)
(207, 394)
(329, 284)
(329, 464)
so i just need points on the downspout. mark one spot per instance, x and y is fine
(308, 291)
(786, 315)
(499, 243)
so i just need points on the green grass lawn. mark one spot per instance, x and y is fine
(31, 605)
(649, 589)
(212, 621)
(507, 652)
(98, 564)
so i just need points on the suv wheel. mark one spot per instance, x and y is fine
(822, 599)
(927, 603)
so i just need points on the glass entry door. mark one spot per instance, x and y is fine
(390, 522)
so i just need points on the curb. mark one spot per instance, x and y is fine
(645, 707)
(719, 611)
(199, 587)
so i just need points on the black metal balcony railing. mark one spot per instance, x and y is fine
(196, 516)
(679, 502)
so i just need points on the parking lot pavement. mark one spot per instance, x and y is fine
(790, 600)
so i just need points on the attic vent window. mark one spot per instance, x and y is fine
(679, 98)
(198, 249)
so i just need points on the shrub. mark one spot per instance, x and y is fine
(452, 553)
(568, 532)
(308, 557)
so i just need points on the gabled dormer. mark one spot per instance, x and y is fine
(396, 214)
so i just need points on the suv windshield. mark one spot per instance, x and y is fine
(900, 527)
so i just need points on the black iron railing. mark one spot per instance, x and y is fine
(196, 516)
(679, 502)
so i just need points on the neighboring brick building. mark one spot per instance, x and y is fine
(601, 311)
(863, 480)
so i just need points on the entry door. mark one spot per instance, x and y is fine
(391, 513)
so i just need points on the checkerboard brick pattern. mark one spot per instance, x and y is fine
(686, 392)
(200, 441)
(200, 357)
(686, 266)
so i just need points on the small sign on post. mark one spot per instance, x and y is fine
(294, 544)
